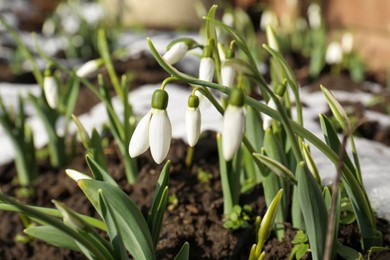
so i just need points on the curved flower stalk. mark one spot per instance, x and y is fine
(50, 89)
(193, 120)
(233, 125)
(154, 130)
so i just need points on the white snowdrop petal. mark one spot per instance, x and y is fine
(87, 68)
(268, 18)
(206, 69)
(267, 120)
(50, 89)
(160, 134)
(334, 53)
(227, 75)
(193, 120)
(314, 15)
(232, 131)
(139, 142)
(347, 42)
(176, 53)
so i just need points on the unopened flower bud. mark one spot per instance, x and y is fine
(176, 52)
(50, 89)
(334, 53)
(88, 68)
(193, 120)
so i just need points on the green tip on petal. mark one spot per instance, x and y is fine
(237, 97)
(160, 99)
(193, 101)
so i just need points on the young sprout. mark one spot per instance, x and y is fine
(50, 89)
(154, 130)
(334, 53)
(233, 124)
(193, 120)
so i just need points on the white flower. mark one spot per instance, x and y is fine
(233, 130)
(176, 53)
(334, 53)
(228, 19)
(160, 134)
(139, 142)
(271, 38)
(221, 52)
(153, 130)
(193, 120)
(347, 42)
(88, 68)
(267, 120)
(206, 69)
(227, 75)
(50, 90)
(314, 16)
(268, 18)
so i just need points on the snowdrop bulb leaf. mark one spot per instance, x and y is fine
(267, 120)
(193, 120)
(139, 142)
(334, 53)
(227, 75)
(176, 53)
(233, 130)
(50, 89)
(160, 134)
(206, 69)
(88, 68)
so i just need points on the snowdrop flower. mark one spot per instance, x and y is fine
(228, 19)
(233, 124)
(154, 130)
(268, 18)
(267, 120)
(88, 68)
(347, 42)
(193, 120)
(227, 75)
(176, 52)
(50, 89)
(206, 69)
(334, 53)
(314, 16)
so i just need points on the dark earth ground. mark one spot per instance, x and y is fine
(197, 215)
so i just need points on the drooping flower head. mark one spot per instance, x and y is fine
(334, 53)
(228, 73)
(193, 120)
(154, 130)
(89, 67)
(233, 124)
(50, 89)
(177, 49)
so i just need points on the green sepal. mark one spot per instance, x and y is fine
(160, 99)
(237, 97)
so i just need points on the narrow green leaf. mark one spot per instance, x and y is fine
(114, 231)
(135, 232)
(98, 172)
(337, 110)
(159, 202)
(268, 221)
(348, 253)
(276, 167)
(314, 213)
(184, 252)
(52, 236)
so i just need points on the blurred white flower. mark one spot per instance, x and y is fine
(334, 53)
(50, 88)
(88, 68)
(347, 42)
(206, 69)
(176, 53)
(314, 16)
(268, 18)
